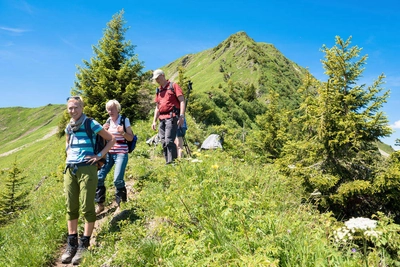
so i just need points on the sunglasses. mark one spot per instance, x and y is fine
(74, 97)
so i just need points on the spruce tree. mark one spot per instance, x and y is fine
(113, 73)
(337, 154)
(183, 81)
(250, 93)
(13, 197)
(271, 134)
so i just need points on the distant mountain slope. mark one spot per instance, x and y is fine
(21, 126)
(240, 59)
(231, 81)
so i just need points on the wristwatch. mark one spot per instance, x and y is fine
(182, 116)
(99, 155)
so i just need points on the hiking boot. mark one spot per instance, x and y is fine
(120, 195)
(82, 249)
(70, 251)
(99, 208)
(100, 194)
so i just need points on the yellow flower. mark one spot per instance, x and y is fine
(215, 166)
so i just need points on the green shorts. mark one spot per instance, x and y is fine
(81, 187)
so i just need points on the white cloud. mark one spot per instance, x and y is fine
(395, 125)
(12, 30)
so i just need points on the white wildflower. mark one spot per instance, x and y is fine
(372, 233)
(342, 234)
(361, 223)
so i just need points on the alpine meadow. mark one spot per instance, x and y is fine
(302, 180)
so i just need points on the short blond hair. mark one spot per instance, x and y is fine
(78, 99)
(113, 103)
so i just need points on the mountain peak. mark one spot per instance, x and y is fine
(239, 37)
(240, 34)
(239, 59)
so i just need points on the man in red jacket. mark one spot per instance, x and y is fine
(170, 111)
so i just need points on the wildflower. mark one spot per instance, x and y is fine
(372, 233)
(196, 154)
(215, 166)
(342, 234)
(361, 223)
(353, 250)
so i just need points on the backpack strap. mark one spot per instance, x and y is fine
(70, 132)
(122, 122)
(171, 87)
(89, 131)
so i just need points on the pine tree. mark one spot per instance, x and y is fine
(338, 154)
(250, 93)
(271, 134)
(13, 198)
(113, 73)
(302, 146)
(183, 81)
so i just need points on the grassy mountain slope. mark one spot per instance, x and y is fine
(239, 59)
(21, 126)
(28, 139)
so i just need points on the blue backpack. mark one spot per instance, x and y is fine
(131, 144)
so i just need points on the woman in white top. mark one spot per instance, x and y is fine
(118, 155)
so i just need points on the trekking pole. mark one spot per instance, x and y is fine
(185, 144)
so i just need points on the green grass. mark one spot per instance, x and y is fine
(22, 126)
(214, 211)
(33, 238)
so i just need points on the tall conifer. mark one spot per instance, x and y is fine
(337, 154)
(113, 73)
(13, 197)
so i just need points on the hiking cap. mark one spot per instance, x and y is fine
(157, 73)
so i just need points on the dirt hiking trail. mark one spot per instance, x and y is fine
(110, 214)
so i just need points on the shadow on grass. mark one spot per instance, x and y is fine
(129, 216)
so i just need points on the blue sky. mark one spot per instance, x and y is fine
(42, 42)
